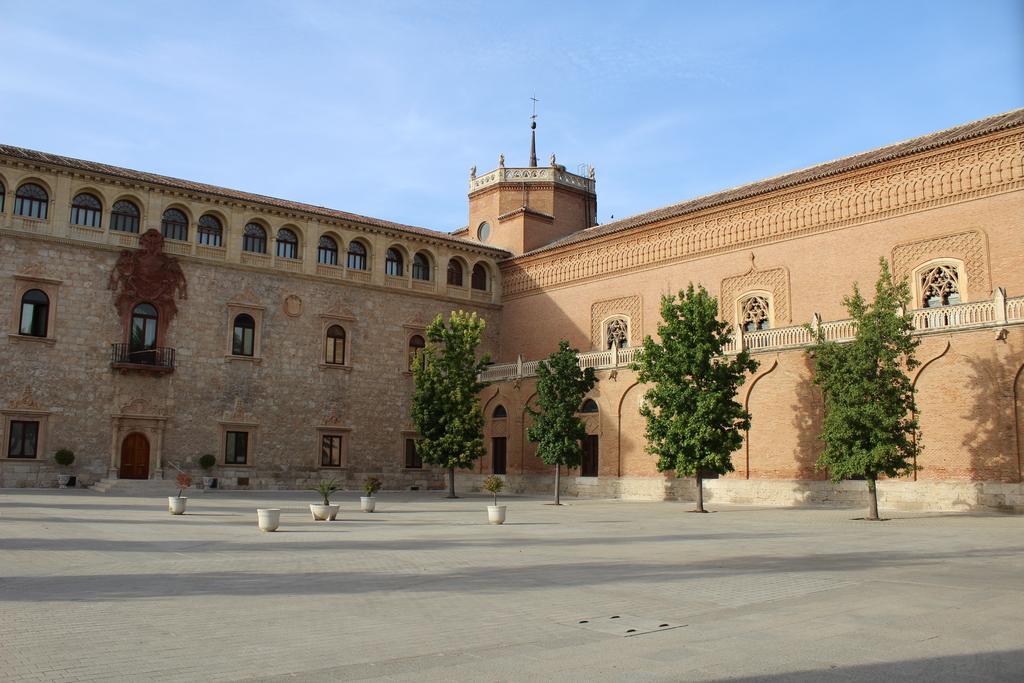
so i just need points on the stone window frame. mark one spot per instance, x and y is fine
(24, 415)
(347, 323)
(742, 299)
(50, 199)
(48, 286)
(410, 332)
(256, 311)
(604, 330)
(346, 437)
(252, 430)
(961, 279)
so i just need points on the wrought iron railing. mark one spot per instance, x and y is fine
(157, 358)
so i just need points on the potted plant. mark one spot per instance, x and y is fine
(64, 457)
(326, 511)
(207, 462)
(495, 513)
(176, 504)
(370, 486)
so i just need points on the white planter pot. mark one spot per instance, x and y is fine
(269, 518)
(176, 505)
(63, 479)
(367, 503)
(324, 513)
(496, 514)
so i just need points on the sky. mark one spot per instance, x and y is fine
(380, 108)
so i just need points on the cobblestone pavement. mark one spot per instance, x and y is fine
(106, 587)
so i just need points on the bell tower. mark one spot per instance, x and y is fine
(523, 208)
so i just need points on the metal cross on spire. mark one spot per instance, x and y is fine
(533, 133)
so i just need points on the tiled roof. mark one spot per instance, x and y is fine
(188, 185)
(924, 143)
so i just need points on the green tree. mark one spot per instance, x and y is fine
(694, 422)
(557, 430)
(870, 425)
(445, 400)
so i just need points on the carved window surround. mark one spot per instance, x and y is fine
(139, 416)
(347, 322)
(967, 249)
(235, 308)
(251, 430)
(332, 429)
(962, 280)
(739, 319)
(628, 308)
(27, 410)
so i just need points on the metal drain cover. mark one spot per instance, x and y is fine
(623, 625)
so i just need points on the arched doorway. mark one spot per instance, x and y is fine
(134, 457)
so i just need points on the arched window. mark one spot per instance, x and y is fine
(35, 313)
(3, 197)
(416, 345)
(124, 216)
(287, 244)
(87, 210)
(356, 257)
(327, 251)
(209, 231)
(479, 278)
(243, 335)
(31, 201)
(144, 327)
(335, 352)
(616, 333)
(254, 238)
(420, 267)
(393, 265)
(174, 225)
(940, 286)
(754, 314)
(454, 273)
(499, 412)
(589, 406)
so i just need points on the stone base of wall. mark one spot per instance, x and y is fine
(894, 495)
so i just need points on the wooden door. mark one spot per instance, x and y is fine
(134, 457)
(588, 466)
(498, 454)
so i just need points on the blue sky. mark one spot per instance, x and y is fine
(380, 107)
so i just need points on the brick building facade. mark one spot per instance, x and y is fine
(945, 210)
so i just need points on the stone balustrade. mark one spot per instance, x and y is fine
(997, 312)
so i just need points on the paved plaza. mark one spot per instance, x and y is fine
(108, 587)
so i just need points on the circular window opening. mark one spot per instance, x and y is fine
(484, 231)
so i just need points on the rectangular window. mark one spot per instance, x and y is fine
(412, 458)
(23, 439)
(330, 450)
(236, 448)
(498, 454)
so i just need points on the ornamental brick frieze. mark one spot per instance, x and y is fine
(772, 280)
(987, 167)
(629, 307)
(149, 275)
(969, 246)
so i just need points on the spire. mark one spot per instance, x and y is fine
(533, 133)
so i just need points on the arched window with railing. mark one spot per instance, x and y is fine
(454, 273)
(393, 263)
(355, 259)
(143, 333)
(755, 313)
(420, 266)
(86, 210)
(209, 231)
(287, 244)
(616, 333)
(254, 239)
(31, 201)
(174, 225)
(327, 251)
(940, 286)
(125, 216)
(479, 278)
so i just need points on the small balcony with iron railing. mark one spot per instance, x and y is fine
(128, 358)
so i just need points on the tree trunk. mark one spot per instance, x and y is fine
(451, 483)
(700, 494)
(872, 500)
(558, 484)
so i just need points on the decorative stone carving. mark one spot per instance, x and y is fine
(138, 406)
(238, 414)
(25, 401)
(34, 269)
(969, 245)
(774, 280)
(628, 307)
(923, 181)
(332, 419)
(147, 274)
(292, 306)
